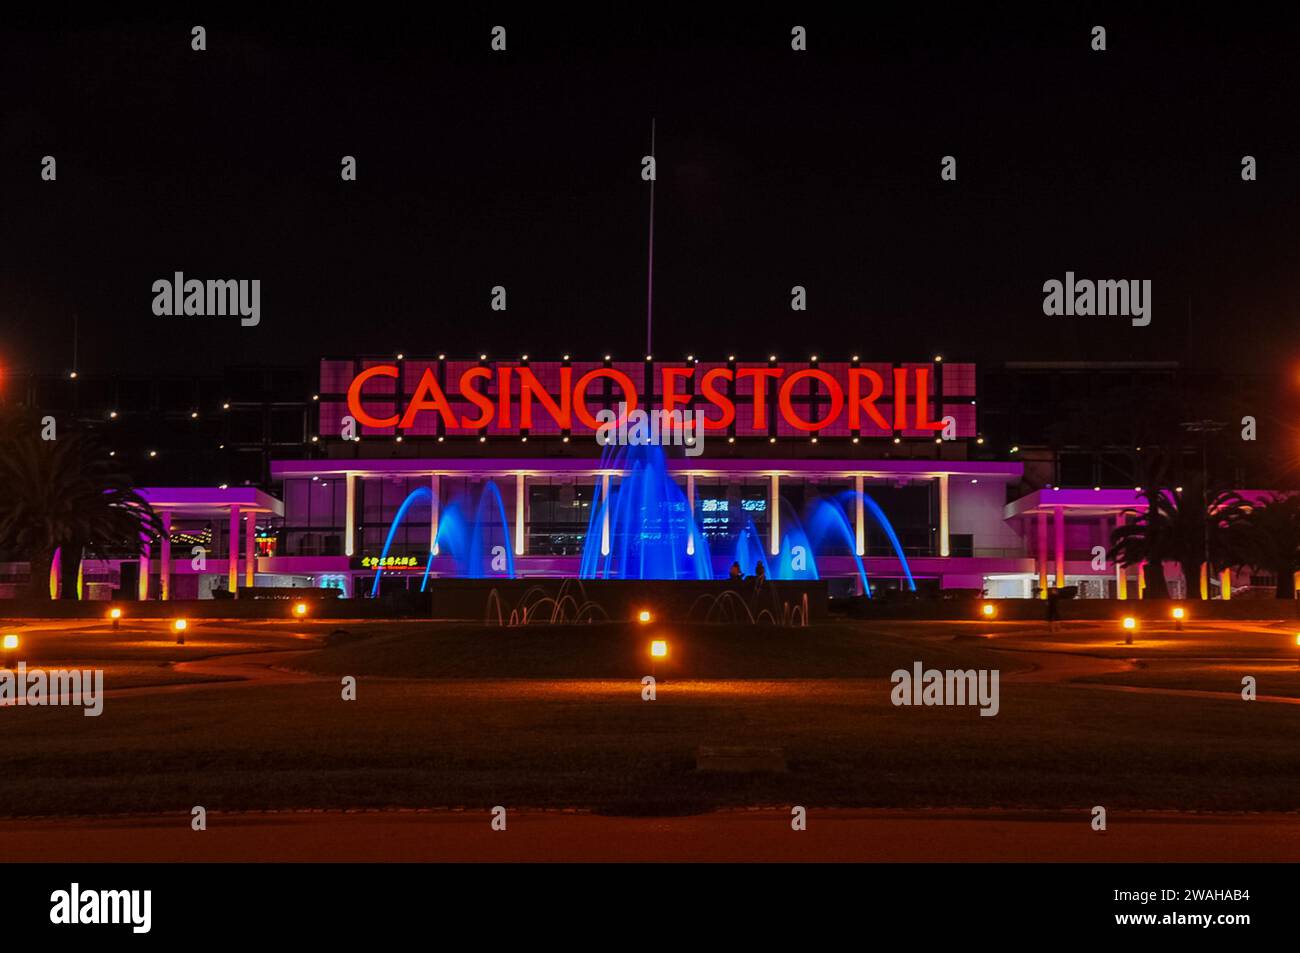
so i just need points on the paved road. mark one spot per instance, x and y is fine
(831, 835)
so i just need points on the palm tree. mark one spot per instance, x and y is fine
(1189, 525)
(1207, 528)
(1272, 540)
(64, 493)
(1145, 540)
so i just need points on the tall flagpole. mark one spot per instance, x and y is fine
(650, 269)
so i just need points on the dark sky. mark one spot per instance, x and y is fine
(776, 168)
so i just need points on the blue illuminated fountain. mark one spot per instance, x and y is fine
(830, 527)
(652, 531)
(750, 550)
(478, 548)
(797, 559)
(650, 523)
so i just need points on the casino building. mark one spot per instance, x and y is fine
(412, 469)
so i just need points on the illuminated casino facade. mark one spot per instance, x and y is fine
(430, 467)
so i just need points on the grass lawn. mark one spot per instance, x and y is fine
(462, 715)
(619, 650)
(1271, 677)
(140, 655)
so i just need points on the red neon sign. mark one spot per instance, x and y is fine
(755, 399)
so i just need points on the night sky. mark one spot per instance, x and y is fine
(776, 168)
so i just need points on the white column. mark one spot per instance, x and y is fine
(860, 518)
(250, 564)
(1121, 572)
(165, 569)
(944, 549)
(1042, 554)
(350, 516)
(1060, 546)
(143, 586)
(604, 523)
(434, 506)
(56, 574)
(690, 514)
(232, 549)
(521, 498)
(774, 510)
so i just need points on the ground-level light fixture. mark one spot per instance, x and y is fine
(179, 626)
(1179, 614)
(644, 615)
(300, 608)
(988, 610)
(116, 615)
(1130, 624)
(659, 648)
